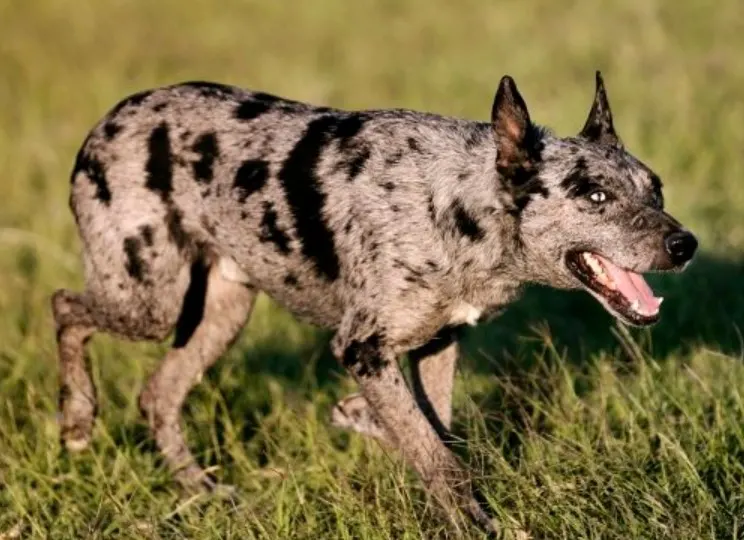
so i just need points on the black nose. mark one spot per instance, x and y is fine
(681, 246)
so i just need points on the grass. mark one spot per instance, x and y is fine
(575, 427)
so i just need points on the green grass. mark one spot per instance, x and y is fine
(575, 428)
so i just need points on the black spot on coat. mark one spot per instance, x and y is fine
(284, 104)
(431, 209)
(111, 130)
(271, 232)
(474, 139)
(270, 98)
(578, 183)
(146, 233)
(208, 149)
(348, 128)
(193, 304)
(134, 265)
(354, 152)
(210, 89)
(251, 108)
(250, 178)
(521, 178)
(97, 175)
(95, 172)
(466, 223)
(394, 158)
(135, 100)
(523, 196)
(306, 200)
(414, 145)
(356, 164)
(657, 195)
(159, 166)
(364, 358)
(352, 163)
(174, 223)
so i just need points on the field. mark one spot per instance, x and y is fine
(575, 426)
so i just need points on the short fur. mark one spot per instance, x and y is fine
(392, 227)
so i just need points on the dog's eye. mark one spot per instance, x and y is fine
(598, 196)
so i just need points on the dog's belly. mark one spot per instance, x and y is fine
(306, 297)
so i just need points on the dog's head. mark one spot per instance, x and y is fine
(589, 214)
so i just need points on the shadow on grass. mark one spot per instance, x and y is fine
(703, 308)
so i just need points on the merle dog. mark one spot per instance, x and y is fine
(389, 226)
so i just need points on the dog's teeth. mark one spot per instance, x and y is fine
(593, 263)
(635, 306)
(606, 281)
(598, 270)
(659, 300)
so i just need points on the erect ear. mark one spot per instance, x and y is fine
(511, 128)
(598, 127)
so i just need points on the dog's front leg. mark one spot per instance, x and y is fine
(433, 377)
(373, 364)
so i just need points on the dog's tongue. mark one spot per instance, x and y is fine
(633, 287)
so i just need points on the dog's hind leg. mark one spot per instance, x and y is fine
(214, 312)
(140, 307)
(432, 378)
(77, 395)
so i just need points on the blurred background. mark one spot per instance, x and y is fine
(553, 375)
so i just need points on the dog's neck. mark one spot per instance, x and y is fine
(471, 210)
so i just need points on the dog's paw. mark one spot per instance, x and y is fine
(75, 446)
(77, 437)
(194, 480)
(354, 413)
(224, 492)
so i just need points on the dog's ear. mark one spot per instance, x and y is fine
(599, 127)
(512, 129)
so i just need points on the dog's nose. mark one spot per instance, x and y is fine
(681, 246)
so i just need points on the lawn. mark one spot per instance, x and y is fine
(575, 426)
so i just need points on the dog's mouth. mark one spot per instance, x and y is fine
(624, 293)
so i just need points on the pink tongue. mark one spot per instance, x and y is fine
(633, 287)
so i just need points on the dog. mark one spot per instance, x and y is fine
(391, 227)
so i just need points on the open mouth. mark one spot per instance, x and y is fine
(624, 293)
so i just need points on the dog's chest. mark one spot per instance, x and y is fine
(465, 313)
(232, 272)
